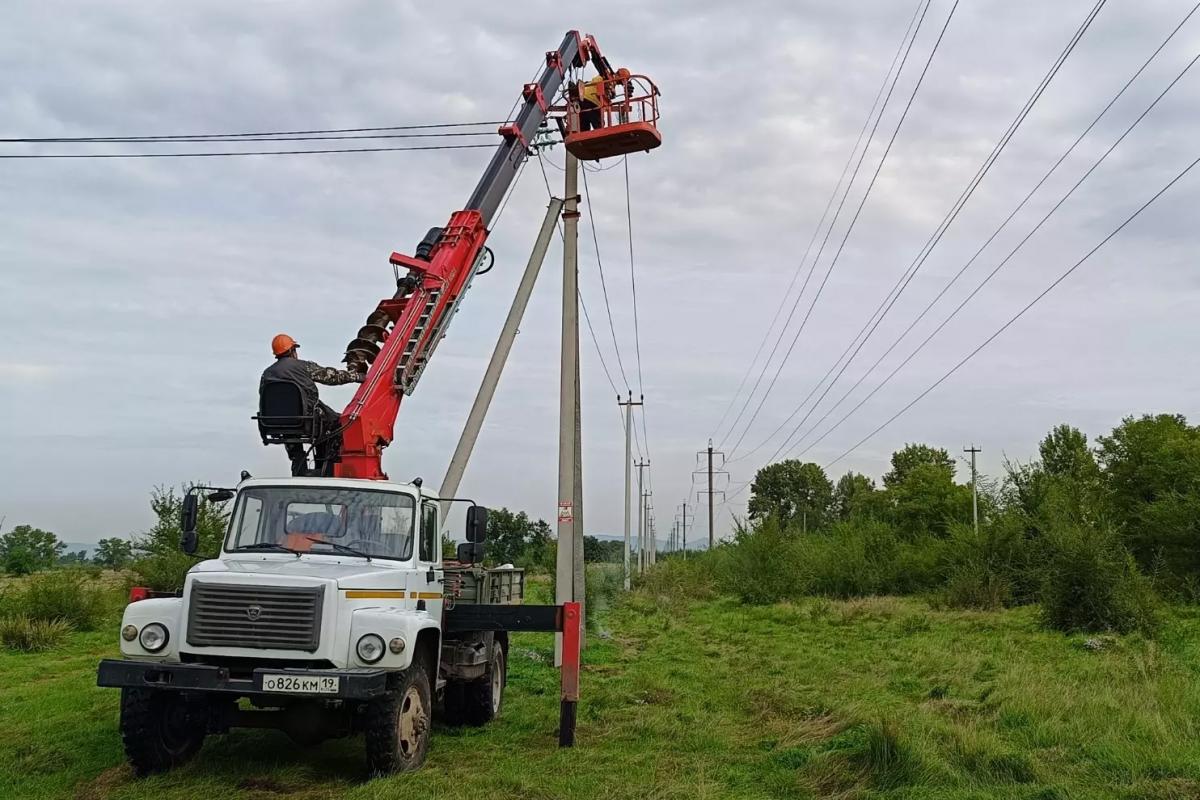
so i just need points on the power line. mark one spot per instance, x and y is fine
(1001, 265)
(587, 317)
(841, 203)
(902, 283)
(816, 231)
(249, 152)
(853, 220)
(1020, 313)
(264, 138)
(603, 283)
(252, 136)
(637, 339)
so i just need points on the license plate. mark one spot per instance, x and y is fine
(301, 684)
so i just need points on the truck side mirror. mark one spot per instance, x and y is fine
(187, 522)
(220, 496)
(476, 524)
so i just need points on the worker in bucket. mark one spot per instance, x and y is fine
(592, 95)
(290, 368)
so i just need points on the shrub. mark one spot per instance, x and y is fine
(162, 572)
(762, 565)
(987, 568)
(682, 579)
(603, 583)
(1090, 582)
(63, 595)
(32, 635)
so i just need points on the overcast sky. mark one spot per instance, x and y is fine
(138, 298)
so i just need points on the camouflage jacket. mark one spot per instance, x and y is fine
(306, 375)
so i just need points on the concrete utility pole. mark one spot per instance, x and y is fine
(974, 488)
(683, 523)
(491, 376)
(569, 573)
(628, 404)
(710, 472)
(641, 464)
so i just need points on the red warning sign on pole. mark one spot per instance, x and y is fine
(566, 511)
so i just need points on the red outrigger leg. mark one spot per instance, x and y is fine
(570, 674)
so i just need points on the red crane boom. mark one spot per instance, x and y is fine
(401, 333)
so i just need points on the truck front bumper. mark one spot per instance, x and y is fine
(353, 684)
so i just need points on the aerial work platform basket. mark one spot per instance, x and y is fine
(626, 120)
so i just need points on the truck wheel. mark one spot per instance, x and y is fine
(484, 697)
(454, 703)
(397, 725)
(159, 729)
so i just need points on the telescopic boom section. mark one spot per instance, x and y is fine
(401, 334)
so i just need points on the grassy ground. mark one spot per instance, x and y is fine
(871, 698)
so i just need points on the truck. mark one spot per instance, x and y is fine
(330, 609)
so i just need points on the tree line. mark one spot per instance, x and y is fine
(1097, 534)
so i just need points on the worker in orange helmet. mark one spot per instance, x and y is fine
(290, 368)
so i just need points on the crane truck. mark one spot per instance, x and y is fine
(330, 609)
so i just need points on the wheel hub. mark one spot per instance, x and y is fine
(413, 723)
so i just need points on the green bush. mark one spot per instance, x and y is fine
(162, 572)
(761, 565)
(63, 595)
(603, 582)
(1090, 582)
(679, 580)
(32, 635)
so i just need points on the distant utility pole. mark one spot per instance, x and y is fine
(641, 464)
(644, 540)
(651, 535)
(683, 523)
(628, 404)
(974, 488)
(710, 472)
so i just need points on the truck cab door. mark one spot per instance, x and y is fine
(429, 578)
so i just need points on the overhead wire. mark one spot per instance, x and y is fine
(889, 300)
(587, 317)
(816, 231)
(203, 154)
(1010, 255)
(1020, 313)
(850, 227)
(587, 197)
(991, 238)
(252, 136)
(637, 339)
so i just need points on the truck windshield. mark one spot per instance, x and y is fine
(311, 519)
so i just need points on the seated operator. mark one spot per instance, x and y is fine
(290, 368)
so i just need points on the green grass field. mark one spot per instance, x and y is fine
(871, 698)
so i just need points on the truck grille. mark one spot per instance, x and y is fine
(276, 617)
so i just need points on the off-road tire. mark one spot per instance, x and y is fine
(159, 729)
(398, 724)
(454, 703)
(482, 699)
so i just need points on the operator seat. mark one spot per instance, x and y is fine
(283, 419)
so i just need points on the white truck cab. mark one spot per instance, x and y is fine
(325, 607)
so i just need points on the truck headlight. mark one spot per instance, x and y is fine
(370, 648)
(154, 637)
(129, 633)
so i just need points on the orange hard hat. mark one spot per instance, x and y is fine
(282, 343)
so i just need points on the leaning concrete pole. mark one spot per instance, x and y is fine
(491, 376)
(568, 585)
